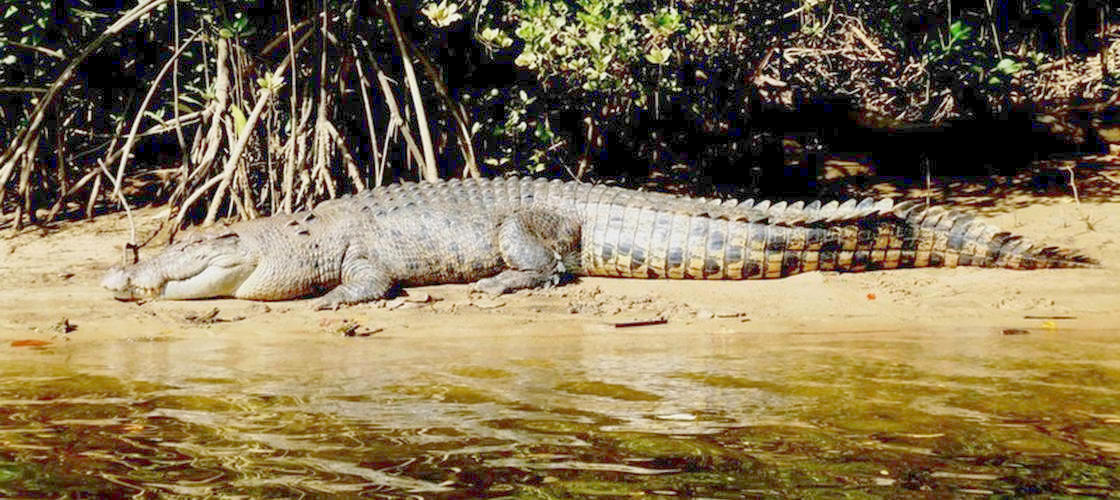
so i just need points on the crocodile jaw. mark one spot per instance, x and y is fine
(199, 268)
(130, 283)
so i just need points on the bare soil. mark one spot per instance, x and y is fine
(49, 292)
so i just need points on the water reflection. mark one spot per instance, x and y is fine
(580, 414)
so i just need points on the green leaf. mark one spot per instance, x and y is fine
(1008, 66)
(238, 119)
(959, 31)
(87, 15)
(528, 32)
(659, 56)
(155, 116)
(9, 471)
(542, 132)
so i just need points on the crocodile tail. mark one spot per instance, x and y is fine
(941, 237)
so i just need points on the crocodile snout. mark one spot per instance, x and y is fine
(124, 286)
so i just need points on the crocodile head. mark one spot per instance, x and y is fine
(202, 265)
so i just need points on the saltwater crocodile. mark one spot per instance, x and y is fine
(517, 233)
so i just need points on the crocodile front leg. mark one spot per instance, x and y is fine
(362, 281)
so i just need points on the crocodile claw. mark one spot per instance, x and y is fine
(489, 286)
(326, 304)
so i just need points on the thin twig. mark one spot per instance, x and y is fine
(289, 159)
(30, 90)
(429, 171)
(458, 113)
(1073, 185)
(396, 121)
(175, 86)
(35, 48)
(364, 85)
(131, 139)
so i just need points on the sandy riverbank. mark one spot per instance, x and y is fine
(46, 280)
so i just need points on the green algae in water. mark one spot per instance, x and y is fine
(1032, 402)
(1049, 476)
(548, 426)
(211, 380)
(1107, 436)
(606, 390)
(1037, 443)
(352, 398)
(728, 381)
(686, 452)
(878, 418)
(68, 411)
(598, 488)
(672, 485)
(965, 441)
(447, 393)
(71, 385)
(839, 473)
(10, 471)
(19, 479)
(194, 402)
(794, 441)
(481, 372)
(1093, 376)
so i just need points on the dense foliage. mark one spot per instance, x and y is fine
(214, 119)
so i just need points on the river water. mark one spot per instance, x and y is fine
(645, 411)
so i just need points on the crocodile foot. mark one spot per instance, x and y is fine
(512, 280)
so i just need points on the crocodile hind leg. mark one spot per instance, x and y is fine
(537, 249)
